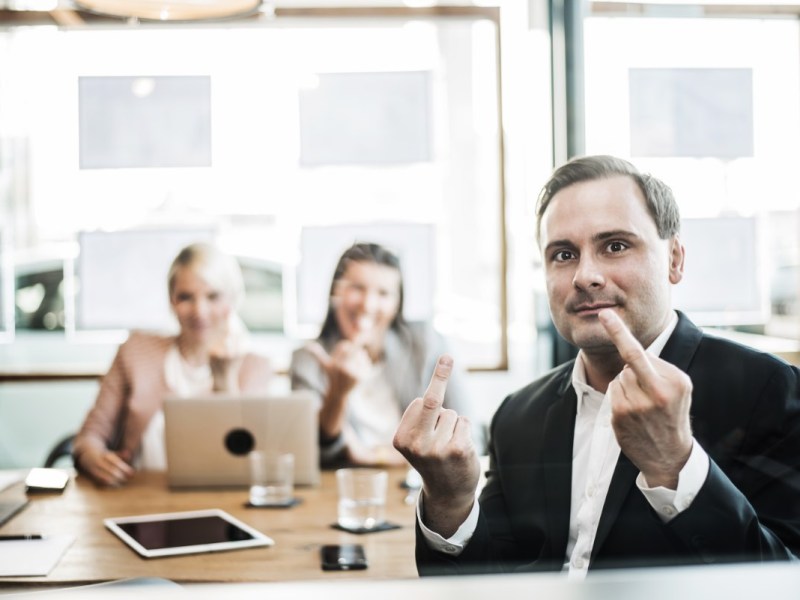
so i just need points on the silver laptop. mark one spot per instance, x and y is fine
(208, 437)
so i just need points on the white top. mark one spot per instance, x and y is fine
(594, 456)
(184, 380)
(372, 408)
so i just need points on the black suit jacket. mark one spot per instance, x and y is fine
(745, 414)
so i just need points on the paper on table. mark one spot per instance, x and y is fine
(32, 558)
(9, 478)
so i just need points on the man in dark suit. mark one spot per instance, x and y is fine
(657, 445)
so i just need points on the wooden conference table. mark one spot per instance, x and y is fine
(98, 555)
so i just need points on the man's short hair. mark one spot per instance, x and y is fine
(658, 195)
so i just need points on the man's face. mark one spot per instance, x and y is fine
(601, 249)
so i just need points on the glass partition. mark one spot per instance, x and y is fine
(258, 130)
(710, 105)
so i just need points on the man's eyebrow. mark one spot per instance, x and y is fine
(605, 235)
(558, 244)
(598, 237)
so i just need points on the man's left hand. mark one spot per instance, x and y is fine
(650, 402)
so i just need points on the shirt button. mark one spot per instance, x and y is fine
(578, 563)
(450, 549)
(590, 491)
(668, 510)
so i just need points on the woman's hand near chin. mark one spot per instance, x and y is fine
(225, 357)
(345, 366)
(225, 372)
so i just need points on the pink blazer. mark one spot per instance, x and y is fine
(134, 389)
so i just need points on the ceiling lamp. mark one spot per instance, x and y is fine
(174, 10)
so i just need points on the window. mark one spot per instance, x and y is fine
(93, 144)
(710, 105)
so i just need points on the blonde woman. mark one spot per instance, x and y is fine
(124, 431)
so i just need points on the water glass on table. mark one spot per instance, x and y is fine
(271, 478)
(362, 498)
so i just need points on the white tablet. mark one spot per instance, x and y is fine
(188, 532)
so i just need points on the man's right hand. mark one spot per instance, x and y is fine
(437, 443)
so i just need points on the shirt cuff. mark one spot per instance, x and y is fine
(455, 544)
(670, 503)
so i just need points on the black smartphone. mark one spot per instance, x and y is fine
(344, 557)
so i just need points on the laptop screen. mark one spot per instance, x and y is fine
(208, 437)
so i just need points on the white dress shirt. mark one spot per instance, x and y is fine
(595, 452)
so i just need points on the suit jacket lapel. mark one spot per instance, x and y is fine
(682, 344)
(557, 455)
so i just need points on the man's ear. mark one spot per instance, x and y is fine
(677, 254)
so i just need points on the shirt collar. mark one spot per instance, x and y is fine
(582, 388)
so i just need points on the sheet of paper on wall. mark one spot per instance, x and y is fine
(32, 558)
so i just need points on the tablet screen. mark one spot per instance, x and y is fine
(184, 533)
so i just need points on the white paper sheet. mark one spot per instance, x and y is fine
(32, 558)
(9, 478)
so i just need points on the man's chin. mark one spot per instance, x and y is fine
(592, 341)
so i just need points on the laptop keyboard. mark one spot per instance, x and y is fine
(8, 508)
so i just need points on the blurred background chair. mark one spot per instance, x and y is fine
(60, 452)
